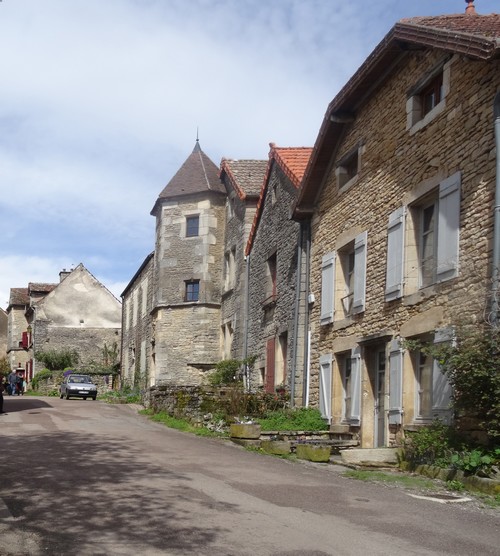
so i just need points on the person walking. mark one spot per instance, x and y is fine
(19, 384)
(12, 382)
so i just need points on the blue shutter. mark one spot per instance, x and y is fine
(395, 383)
(395, 255)
(325, 386)
(448, 227)
(441, 388)
(359, 296)
(355, 417)
(327, 288)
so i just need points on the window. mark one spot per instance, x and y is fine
(271, 289)
(192, 226)
(325, 386)
(424, 240)
(281, 356)
(348, 167)
(229, 269)
(432, 389)
(426, 99)
(346, 387)
(343, 281)
(192, 290)
(230, 208)
(227, 340)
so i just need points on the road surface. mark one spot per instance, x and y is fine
(87, 478)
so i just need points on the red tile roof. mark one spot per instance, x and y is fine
(487, 26)
(245, 176)
(293, 162)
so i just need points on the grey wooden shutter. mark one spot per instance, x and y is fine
(325, 386)
(327, 288)
(359, 296)
(395, 255)
(441, 388)
(355, 416)
(448, 227)
(395, 383)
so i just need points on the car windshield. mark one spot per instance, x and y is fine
(79, 379)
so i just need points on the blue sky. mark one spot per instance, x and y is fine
(100, 102)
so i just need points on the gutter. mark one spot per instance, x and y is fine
(246, 374)
(296, 316)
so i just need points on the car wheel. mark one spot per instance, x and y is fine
(85, 397)
(61, 396)
(67, 395)
(94, 397)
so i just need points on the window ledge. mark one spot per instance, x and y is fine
(347, 185)
(344, 323)
(428, 118)
(227, 292)
(269, 302)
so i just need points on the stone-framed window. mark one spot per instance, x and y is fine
(271, 287)
(348, 168)
(427, 98)
(192, 290)
(193, 225)
(229, 269)
(425, 231)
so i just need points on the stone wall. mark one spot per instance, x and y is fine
(394, 163)
(276, 234)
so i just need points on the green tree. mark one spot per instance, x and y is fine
(57, 360)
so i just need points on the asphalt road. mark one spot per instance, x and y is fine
(86, 478)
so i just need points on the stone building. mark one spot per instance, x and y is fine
(138, 356)
(272, 252)
(3, 333)
(187, 274)
(17, 333)
(78, 313)
(400, 197)
(243, 181)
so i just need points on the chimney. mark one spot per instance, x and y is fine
(63, 274)
(470, 9)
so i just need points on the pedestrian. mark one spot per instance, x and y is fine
(2, 388)
(19, 385)
(12, 382)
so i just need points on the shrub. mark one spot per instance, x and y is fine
(431, 445)
(44, 374)
(57, 360)
(226, 372)
(299, 419)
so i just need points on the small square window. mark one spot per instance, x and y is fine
(192, 226)
(431, 95)
(348, 168)
(192, 290)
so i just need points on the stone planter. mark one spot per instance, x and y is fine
(247, 432)
(310, 452)
(276, 447)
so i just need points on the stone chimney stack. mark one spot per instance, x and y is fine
(63, 274)
(470, 9)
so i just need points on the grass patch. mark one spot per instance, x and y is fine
(407, 481)
(179, 424)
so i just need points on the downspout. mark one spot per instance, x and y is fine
(245, 324)
(305, 388)
(296, 317)
(496, 223)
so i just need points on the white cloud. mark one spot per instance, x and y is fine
(100, 102)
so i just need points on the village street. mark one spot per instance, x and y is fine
(86, 478)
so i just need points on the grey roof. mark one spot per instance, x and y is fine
(246, 175)
(198, 174)
(18, 296)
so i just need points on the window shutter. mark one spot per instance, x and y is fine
(327, 288)
(360, 242)
(395, 255)
(24, 341)
(355, 416)
(448, 227)
(441, 388)
(325, 386)
(270, 365)
(395, 383)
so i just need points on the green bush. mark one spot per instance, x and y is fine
(44, 374)
(56, 360)
(431, 445)
(299, 419)
(226, 372)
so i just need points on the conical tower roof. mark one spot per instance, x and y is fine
(198, 174)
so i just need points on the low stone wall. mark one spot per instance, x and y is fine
(189, 402)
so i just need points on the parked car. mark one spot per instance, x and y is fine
(78, 386)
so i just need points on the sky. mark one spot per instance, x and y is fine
(101, 103)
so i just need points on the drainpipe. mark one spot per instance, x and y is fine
(245, 323)
(496, 223)
(296, 316)
(305, 388)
